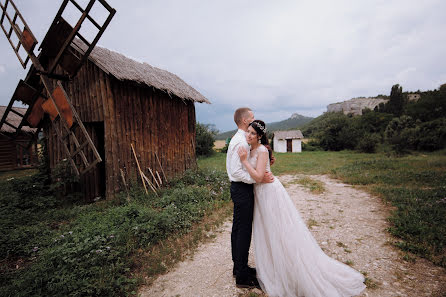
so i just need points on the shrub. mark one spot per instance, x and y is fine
(310, 146)
(368, 143)
(399, 134)
(204, 139)
(431, 135)
(339, 132)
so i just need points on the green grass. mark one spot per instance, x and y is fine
(215, 162)
(314, 186)
(4, 175)
(53, 247)
(414, 184)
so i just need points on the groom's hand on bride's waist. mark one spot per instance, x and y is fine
(268, 177)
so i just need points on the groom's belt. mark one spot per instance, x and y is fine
(240, 183)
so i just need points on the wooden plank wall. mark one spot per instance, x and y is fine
(153, 122)
(85, 93)
(7, 153)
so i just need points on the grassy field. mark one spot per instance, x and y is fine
(415, 185)
(55, 246)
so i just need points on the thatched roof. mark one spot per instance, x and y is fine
(291, 134)
(14, 120)
(124, 68)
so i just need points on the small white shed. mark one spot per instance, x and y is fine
(288, 141)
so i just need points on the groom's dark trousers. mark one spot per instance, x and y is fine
(243, 197)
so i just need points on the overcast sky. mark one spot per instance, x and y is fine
(277, 57)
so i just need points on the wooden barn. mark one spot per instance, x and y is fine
(123, 102)
(17, 152)
(288, 141)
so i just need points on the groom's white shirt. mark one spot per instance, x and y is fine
(235, 169)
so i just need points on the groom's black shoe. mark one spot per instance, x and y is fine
(251, 271)
(247, 283)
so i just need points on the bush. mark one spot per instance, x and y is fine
(339, 132)
(431, 135)
(204, 139)
(399, 134)
(368, 143)
(310, 146)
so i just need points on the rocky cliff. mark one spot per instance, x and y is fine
(356, 105)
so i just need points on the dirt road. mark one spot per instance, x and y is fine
(349, 224)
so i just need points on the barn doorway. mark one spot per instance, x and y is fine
(99, 127)
(289, 145)
(93, 182)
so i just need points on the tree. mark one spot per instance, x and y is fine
(204, 139)
(430, 106)
(396, 103)
(338, 132)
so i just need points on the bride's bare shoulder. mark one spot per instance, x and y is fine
(262, 149)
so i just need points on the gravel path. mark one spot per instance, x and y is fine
(349, 224)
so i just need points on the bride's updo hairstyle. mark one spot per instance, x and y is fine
(260, 127)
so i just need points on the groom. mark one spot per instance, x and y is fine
(242, 194)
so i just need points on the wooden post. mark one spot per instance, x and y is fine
(154, 178)
(159, 178)
(162, 170)
(150, 184)
(139, 169)
(125, 185)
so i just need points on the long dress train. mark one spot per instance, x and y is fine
(288, 259)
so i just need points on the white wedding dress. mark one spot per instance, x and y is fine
(289, 261)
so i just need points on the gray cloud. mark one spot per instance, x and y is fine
(277, 57)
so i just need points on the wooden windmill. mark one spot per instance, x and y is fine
(42, 89)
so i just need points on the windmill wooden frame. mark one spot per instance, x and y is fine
(38, 89)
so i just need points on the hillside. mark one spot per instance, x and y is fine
(295, 121)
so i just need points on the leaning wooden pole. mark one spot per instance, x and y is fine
(125, 185)
(150, 184)
(154, 178)
(159, 178)
(139, 169)
(162, 170)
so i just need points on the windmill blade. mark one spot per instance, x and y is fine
(38, 91)
(59, 38)
(25, 36)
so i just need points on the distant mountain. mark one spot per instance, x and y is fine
(295, 121)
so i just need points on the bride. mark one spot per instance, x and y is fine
(289, 261)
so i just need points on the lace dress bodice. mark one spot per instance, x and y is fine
(254, 155)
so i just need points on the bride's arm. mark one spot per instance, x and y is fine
(258, 173)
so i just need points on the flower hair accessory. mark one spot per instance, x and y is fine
(260, 126)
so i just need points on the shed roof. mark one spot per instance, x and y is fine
(14, 120)
(291, 134)
(124, 68)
